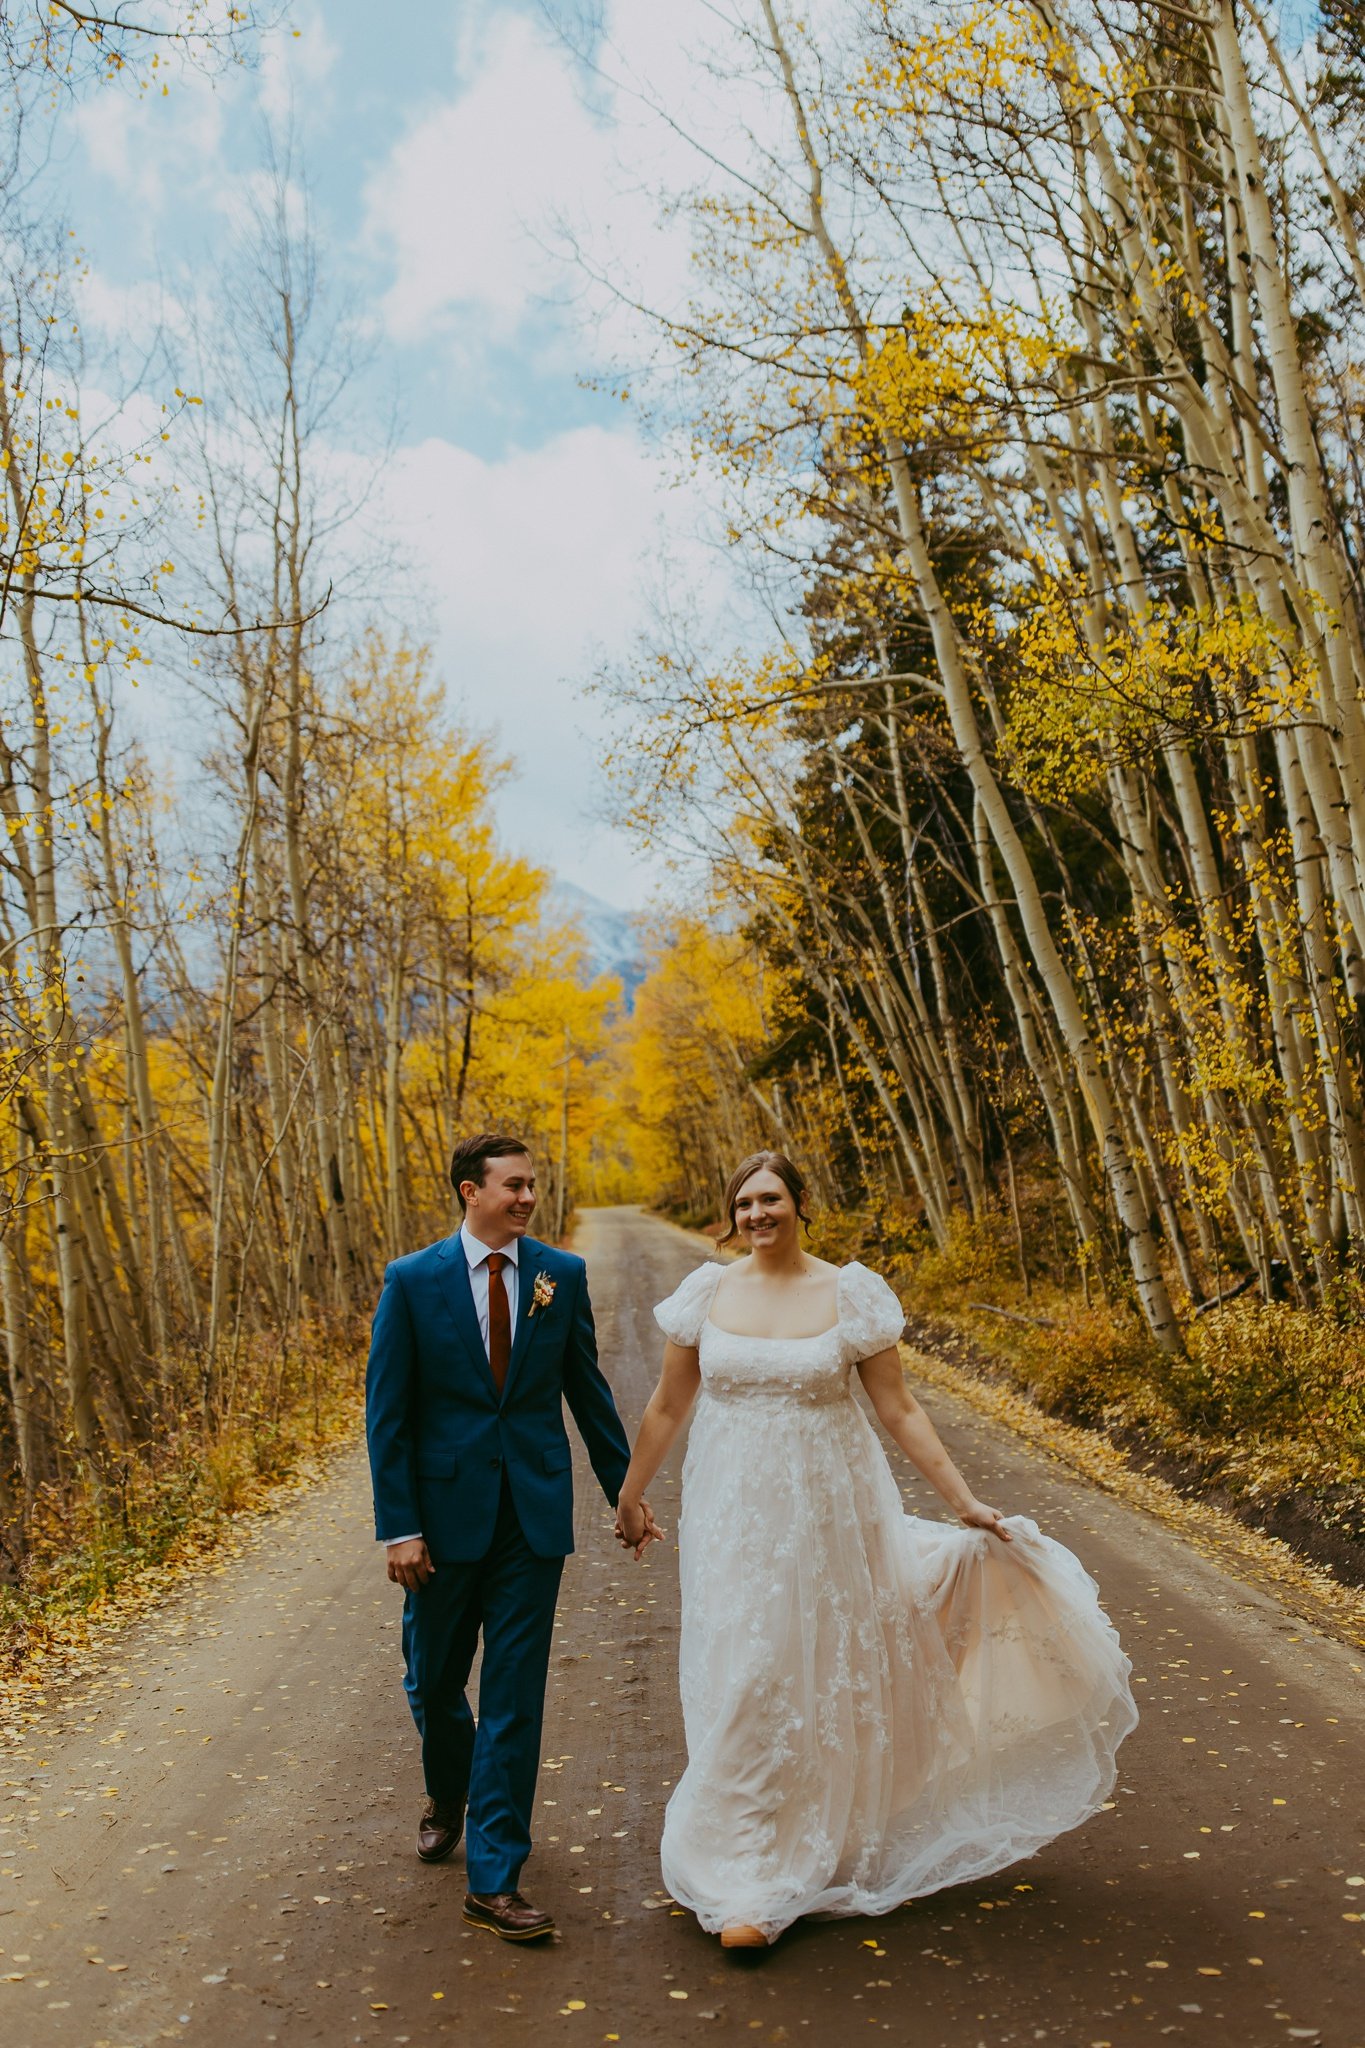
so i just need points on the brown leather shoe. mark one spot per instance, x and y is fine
(507, 1914)
(438, 1831)
(741, 1934)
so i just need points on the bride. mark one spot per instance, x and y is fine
(875, 1706)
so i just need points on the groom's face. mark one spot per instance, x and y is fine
(502, 1208)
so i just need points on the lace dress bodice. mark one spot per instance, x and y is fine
(808, 1372)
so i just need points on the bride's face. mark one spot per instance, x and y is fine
(765, 1214)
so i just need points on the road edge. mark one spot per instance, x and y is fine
(1307, 1592)
(143, 1594)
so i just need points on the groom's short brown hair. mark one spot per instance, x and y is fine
(469, 1160)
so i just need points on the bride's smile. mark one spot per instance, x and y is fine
(765, 1215)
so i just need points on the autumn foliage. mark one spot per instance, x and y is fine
(254, 981)
(1025, 348)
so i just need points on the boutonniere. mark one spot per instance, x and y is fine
(542, 1294)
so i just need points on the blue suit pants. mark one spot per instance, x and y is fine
(508, 1596)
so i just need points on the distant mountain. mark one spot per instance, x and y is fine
(613, 936)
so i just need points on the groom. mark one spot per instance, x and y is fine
(477, 1343)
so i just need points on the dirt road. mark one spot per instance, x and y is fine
(211, 1843)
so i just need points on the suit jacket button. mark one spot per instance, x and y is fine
(495, 1462)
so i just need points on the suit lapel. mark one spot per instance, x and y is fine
(529, 1263)
(454, 1269)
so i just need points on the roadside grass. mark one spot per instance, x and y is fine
(1265, 1413)
(99, 1548)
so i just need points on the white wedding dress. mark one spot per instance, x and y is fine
(875, 1706)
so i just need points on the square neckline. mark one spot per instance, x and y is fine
(709, 1322)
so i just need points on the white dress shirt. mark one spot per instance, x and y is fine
(476, 1252)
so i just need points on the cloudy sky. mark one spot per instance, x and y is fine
(447, 148)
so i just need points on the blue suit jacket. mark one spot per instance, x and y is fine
(440, 1439)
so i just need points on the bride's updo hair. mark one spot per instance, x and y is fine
(764, 1162)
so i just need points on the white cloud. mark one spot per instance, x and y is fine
(137, 314)
(463, 194)
(542, 562)
(155, 152)
(169, 158)
(478, 199)
(297, 61)
(538, 566)
(541, 542)
(545, 564)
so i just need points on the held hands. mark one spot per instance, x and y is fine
(410, 1564)
(978, 1516)
(636, 1527)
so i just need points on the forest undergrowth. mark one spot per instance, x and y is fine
(99, 1550)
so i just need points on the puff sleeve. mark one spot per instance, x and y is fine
(686, 1309)
(870, 1316)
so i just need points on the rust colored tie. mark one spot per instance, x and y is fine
(499, 1321)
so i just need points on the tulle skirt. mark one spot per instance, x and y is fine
(875, 1706)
